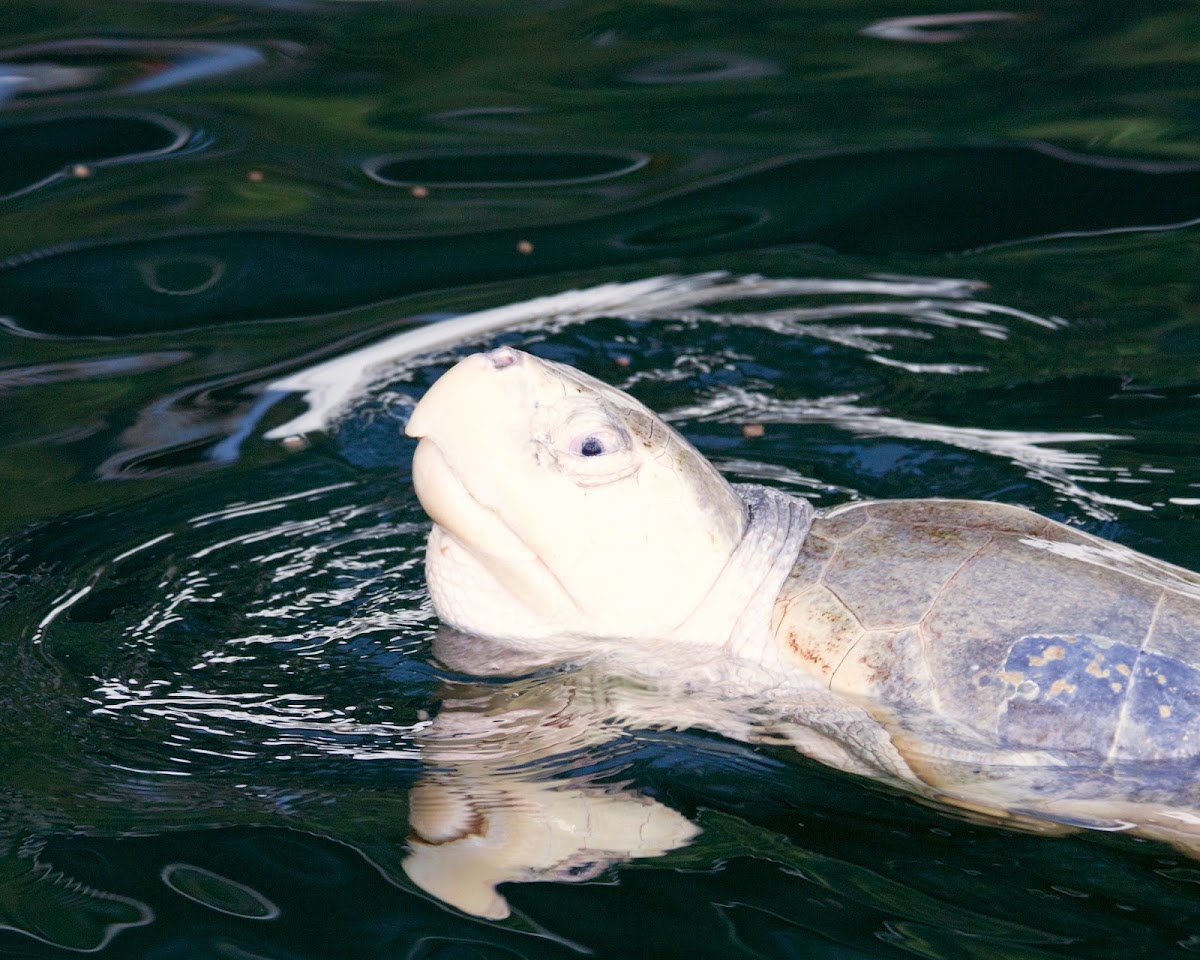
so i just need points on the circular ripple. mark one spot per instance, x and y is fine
(703, 67)
(516, 168)
(217, 892)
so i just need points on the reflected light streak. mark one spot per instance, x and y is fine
(330, 388)
(935, 27)
(1058, 468)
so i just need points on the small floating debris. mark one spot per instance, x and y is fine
(38, 153)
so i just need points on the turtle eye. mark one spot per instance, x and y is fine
(591, 447)
(586, 870)
(594, 450)
(596, 442)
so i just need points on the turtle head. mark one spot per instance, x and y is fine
(561, 506)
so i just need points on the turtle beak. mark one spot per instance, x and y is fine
(461, 391)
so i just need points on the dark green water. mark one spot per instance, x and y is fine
(217, 674)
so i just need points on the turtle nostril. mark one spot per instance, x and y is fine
(503, 357)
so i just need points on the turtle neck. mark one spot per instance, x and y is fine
(734, 619)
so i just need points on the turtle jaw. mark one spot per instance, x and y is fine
(484, 578)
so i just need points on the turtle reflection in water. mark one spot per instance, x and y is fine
(976, 654)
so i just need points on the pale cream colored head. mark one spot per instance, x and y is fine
(561, 506)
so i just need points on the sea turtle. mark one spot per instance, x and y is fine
(972, 652)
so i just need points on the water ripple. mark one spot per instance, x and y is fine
(1037, 452)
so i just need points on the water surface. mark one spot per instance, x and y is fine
(928, 253)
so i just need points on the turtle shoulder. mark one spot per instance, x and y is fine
(1025, 632)
(926, 517)
(886, 560)
(868, 574)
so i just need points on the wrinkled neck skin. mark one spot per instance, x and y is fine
(735, 616)
(726, 640)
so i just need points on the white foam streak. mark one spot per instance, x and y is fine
(946, 368)
(64, 603)
(1038, 453)
(299, 719)
(261, 506)
(141, 546)
(331, 387)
